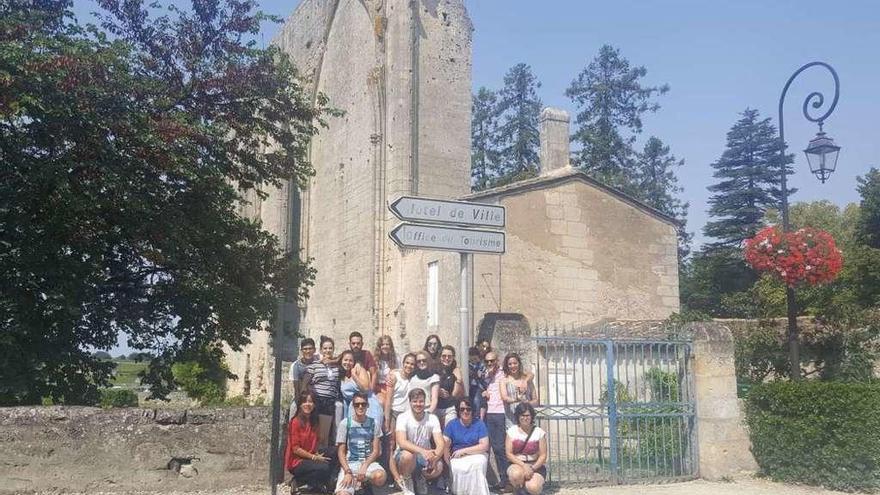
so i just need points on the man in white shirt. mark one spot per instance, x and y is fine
(414, 432)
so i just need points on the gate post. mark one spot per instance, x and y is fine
(612, 409)
(722, 440)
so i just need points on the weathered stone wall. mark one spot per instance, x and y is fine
(722, 438)
(577, 254)
(85, 449)
(401, 72)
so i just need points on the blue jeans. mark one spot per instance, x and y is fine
(495, 422)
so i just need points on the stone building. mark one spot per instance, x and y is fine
(401, 72)
(577, 250)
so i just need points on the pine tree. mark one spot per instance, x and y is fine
(749, 180)
(868, 228)
(484, 139)
(611, 101)
(658, 187)
(518, 109)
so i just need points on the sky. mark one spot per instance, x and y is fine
(718, 57)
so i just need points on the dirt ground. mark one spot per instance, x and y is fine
(740, 486)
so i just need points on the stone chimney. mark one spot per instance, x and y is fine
(554, 139)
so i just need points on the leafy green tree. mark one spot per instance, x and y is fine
(658, 187)
(126, 152)
(709, 280)
(484, 139)
(518, 109)
(748, 174)
(869, 217)
(611, 101)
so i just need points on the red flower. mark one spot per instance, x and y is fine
(806, 256)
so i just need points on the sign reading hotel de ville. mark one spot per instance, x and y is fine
(415, 209)
(414, 236)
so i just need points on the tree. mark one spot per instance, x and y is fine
(869, 216)
(518, 109)
(658, 187)
(484, 139)
(748, 174)
(611, 101)
(126, 152)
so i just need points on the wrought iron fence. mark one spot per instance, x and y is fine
(615, 410)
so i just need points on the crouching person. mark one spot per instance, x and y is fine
(526, 449)
(305, 460)
(358, 445)
(467, 444)
(414, 432)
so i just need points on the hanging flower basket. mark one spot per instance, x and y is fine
(806, 256)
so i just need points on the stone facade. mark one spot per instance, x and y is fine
(577, 251)
(400, 71)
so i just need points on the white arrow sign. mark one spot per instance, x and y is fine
(412, 236)
(415, 209)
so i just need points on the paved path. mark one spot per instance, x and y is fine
(740, 486)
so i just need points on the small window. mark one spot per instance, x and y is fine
(433, 291)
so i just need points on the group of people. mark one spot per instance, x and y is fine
(371, 415)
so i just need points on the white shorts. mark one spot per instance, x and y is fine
(355, 466)
(447, 414)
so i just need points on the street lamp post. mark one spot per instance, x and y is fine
(822, 158)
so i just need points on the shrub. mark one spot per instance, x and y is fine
(118, 397)
(236, 401)
(817, 433)
(201, 382)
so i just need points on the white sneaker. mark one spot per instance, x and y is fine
(406, 486)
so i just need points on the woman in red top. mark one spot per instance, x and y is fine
(303, 459)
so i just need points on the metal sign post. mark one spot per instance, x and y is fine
(446, 225)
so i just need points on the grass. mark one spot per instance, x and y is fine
(127, 372)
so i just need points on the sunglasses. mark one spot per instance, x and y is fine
(359, 404)
(463, 409)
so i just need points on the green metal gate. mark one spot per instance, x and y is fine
(616, 411)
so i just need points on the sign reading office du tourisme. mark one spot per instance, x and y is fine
(447, 225)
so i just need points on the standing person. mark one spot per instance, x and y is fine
(495, 417)
(476, 375)
(298, 369)
(467, 444)
(363, 357)
(353, 379)
(432, 347)
(322, 377)
(485, 346)
(517, 387)
(308, 462)
(386, 361)
(414, 432)
(526, 448)
(358, 447)
(426, 379)
(397, 402)
(450, 387)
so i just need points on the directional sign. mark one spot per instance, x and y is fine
(415, 209)
(412, 236)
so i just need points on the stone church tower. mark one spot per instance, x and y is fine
(401, 72)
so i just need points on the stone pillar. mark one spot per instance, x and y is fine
(722, 440)
(554, 139)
